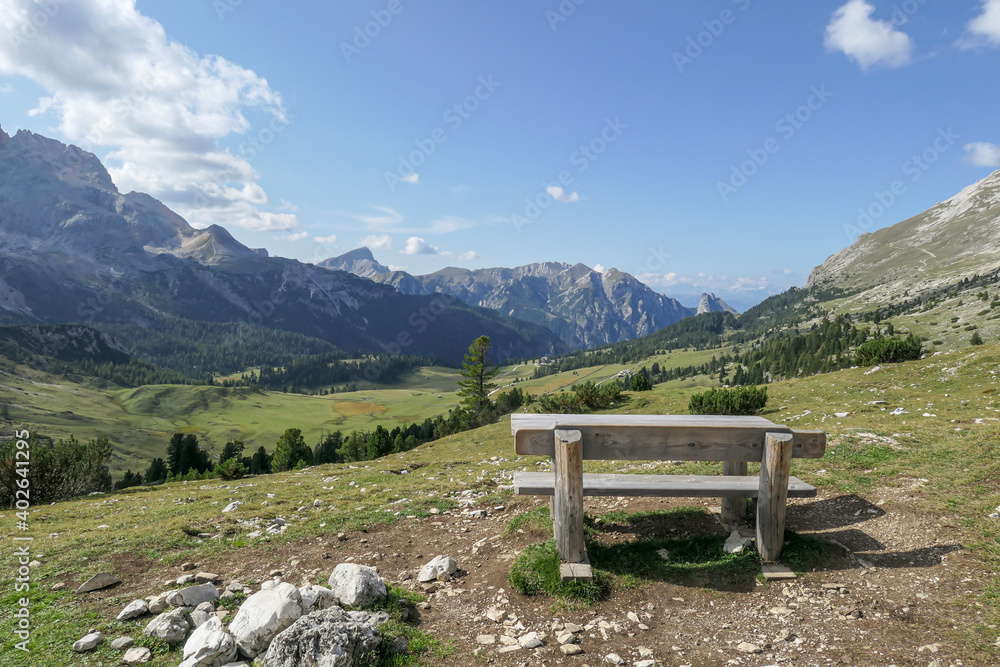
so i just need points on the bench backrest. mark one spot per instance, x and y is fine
(661, 437)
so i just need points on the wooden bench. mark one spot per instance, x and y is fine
(736, 441)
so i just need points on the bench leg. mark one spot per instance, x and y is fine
(568, 506)
(734, 510)
(775, 468)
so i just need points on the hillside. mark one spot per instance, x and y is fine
(75, 249)
(903, 571)
(582, 306)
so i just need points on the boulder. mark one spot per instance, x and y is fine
(192, 596)
(207, 578)
(439, 569)
(170, 626)
(97, 582)
(262, 616)
(87, 643)
(158, 603)
(122, 643)
(133, 609)
(316, 597)
(209, 646)
(198, 618)
(357, 585)
(735, 543)
(137, 655)
(329, 637)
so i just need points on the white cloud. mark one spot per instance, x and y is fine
(982, 154)
(297, 236)
(560, 195)
(417, 246)
(413, 178)
(377, 242)
(115, 79)
(468, 255)
(388, 218)
(450, 223)
(985, 28)
(396, 267)
(599, 268)
(326, 240)
(787, 272)
(749, 284)
(864, 40)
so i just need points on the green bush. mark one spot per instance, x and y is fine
(231, 468)
(888, 351)
(976, 339)
(640, 383)
(733, 401)
(60, 470)
(584, 398)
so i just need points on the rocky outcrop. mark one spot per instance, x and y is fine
(331, 637)
(262, 616)
(357, 585)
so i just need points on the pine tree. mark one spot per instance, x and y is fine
(290, 450)
(476, 383)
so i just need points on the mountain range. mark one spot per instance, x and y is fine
(584, 307)
(75, 249)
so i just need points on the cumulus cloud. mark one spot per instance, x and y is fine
(867, 41)
(982, 154)
(377, 242)
(115, 79)
(417, 246)
(985, 28)
(297, 236)
(466, 256)
(413, 178)
(560, 195)
(599, 268)
(326, 240)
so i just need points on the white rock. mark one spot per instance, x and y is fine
(645, 663)
(198, 618)
(356, 585)
(614, 659)
(170, 626)
(137, 655)
(193, 596)
(262, 616)
(122, 643)
(439, 569)
(735, 543)
(158, 603)
(133, 609)
(87, 642)
(316, 597)
(209, 646)
(747, 647)
(231, 507)
(530, 640)
(97, 582)
(486, 640)
(841, 415)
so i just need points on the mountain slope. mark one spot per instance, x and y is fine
(74, 249)
(956, 238)
(583, 307)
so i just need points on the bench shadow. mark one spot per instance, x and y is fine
(832, 513)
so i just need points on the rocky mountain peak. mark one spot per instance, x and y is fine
(360, 262)
(712, 304)
(4, 138)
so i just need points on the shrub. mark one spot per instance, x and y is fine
(640, 383)
(60, 470)
(231, 468)
(976, 339)
(584, 398)
(888, 351)
(734, 401)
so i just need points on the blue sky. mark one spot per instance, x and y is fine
(722, 146)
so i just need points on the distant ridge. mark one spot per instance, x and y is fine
(584, 307)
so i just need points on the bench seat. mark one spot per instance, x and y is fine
(711, 486)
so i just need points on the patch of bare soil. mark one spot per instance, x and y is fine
(899, 589)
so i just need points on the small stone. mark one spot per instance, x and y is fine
(572, 627)
(231, 507)
(495, 614)
(929, 648)
(97, 582)
(185, 567)
(439, 569)
(571, 649)
(87, 642)
(566, 638)
(735, 543)
(507, 640)
(645, 663)
(58, 587)
(614, 659)
(207, 578)
(645, 652)
(530, 640)
(137, 655)
(747, 647)
(122, 643)
(632, 616)
(785, 635)
(184, 580)
(486, 640)
(317, 502)
(157, 603)
(833, 587)
(134, 609)
(509, 649)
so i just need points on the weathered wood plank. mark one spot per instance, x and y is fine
(660, 437)
(775, 471)
(734, 509)
(776, 572)
(568, 515)
(704, 486)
